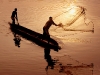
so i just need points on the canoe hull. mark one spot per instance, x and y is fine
(35, 37)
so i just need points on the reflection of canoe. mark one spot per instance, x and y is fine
(34, 36)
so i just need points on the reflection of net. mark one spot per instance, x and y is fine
(69, 20)
(67, 66)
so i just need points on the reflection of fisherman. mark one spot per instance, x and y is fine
(14, 16)
(47, 26)
(17, 40)
(48, 58)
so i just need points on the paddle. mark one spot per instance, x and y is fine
(17, 20)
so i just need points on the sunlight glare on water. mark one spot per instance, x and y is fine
(73, 11)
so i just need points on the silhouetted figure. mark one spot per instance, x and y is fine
(14, 16)
(17, 40)
(47, 26)
(48, 58)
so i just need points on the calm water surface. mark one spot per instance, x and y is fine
(29, 58)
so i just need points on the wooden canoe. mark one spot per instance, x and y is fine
(35, 37)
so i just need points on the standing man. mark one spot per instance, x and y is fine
(14, 16)
(47, 26)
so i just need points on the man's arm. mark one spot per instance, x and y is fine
(54, 23)
(16, 16)
(60, 24)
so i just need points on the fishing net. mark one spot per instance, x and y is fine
(73, 18)
(65, 65)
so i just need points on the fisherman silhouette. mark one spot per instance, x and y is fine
(47, 26)
(14, 16)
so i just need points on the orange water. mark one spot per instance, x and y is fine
(29, 58)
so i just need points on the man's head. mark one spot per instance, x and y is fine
(50, 18)
(15, 9)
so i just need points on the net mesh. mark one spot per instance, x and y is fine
(73, 18)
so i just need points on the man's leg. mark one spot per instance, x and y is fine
(13, 20)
